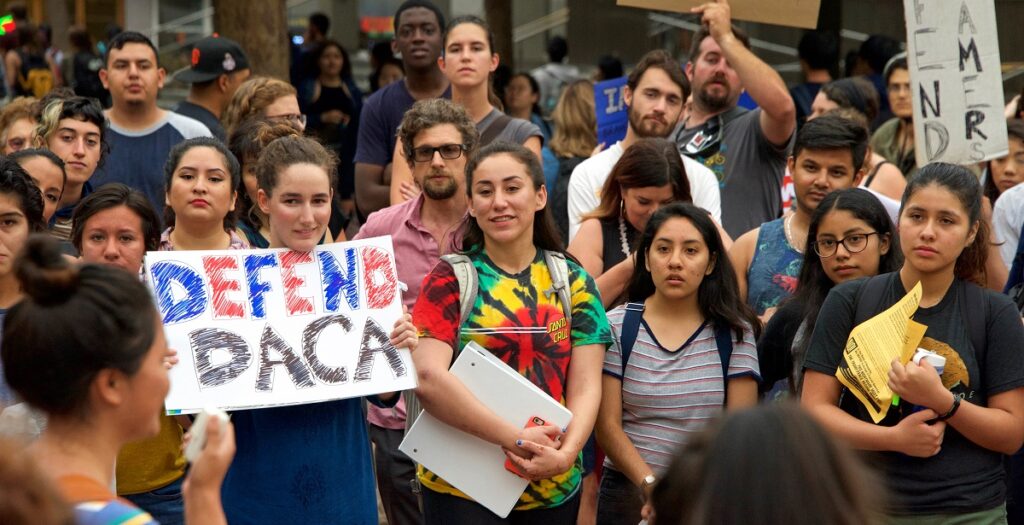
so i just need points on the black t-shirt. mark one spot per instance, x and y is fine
(963, 477)
(775, 347)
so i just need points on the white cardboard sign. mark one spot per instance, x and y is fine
(262, 328)
(955, 81)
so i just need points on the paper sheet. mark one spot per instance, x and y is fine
(793, 13)
(871, 348)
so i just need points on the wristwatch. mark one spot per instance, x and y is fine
(648, 481)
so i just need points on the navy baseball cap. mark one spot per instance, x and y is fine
(212, 57)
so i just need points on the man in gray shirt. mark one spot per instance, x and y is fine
(746, 149)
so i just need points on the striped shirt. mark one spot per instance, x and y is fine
(668, 395)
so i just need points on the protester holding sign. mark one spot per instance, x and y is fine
(518, 315)
(468, 60)
(94, 332)
(942, 445)
(309, 462)
(685, 308)
(649, 175)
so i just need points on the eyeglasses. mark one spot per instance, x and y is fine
(854, 243)
(296, 119)
(447, 151)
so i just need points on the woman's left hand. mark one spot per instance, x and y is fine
(547, 462)
(919, 384)
(404, 333)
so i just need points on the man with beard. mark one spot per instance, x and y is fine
(419, 27)
(654, 93)
(437, 137)
(746, 149)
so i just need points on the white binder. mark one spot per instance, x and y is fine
(472, 465)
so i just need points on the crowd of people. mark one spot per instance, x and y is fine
(686, 292)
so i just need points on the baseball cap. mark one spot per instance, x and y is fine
(212, 57)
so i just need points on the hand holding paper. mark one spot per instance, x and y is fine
(717, 16)
(919, 384)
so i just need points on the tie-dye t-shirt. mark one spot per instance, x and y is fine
(94, 504)
(526, 328)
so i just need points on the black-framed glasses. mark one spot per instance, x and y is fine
(854, 243)
(447, 151)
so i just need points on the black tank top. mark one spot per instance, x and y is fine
(612, 242)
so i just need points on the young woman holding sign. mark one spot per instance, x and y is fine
(304, 463)
(512, 317)
(92, 331)
(200, 178)
(942, 446)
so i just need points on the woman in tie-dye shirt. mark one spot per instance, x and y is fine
(515, 319)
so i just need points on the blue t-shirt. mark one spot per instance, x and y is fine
(301, 464)
(379, 120)
(137, 158)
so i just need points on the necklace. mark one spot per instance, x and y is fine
(789, 233)
(622, 236)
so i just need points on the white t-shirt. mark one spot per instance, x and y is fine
(1007, 217)
(588, 179)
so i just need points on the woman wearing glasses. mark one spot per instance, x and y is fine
(942, 445)
(850, 237)
(468, 60)
(265, 97)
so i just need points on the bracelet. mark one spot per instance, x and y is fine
(952, 410)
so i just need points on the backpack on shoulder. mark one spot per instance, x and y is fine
(469, 286)
(631, 326)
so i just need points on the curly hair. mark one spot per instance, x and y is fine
(252, 98)
(429, 113)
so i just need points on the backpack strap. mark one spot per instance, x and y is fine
(494, 129)
(558, 267)
(630, 327)
(723, 340)
(975, 311)
(465, 274)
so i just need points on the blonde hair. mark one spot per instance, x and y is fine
(252, 98)
(575, 122)
(15, 110)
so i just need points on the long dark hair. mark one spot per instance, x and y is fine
(718, 295)
(545, 235)
(1014, 129)
(970, 264)
(230, 163)
(813, 284)
(808, 478)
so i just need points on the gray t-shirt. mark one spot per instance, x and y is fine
(963, 477)
(517, 131)
(749, 168)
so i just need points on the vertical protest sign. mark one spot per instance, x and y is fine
(612, 113)
(261, 328)
(955, 81)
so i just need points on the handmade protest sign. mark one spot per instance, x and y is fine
(794, 13)
(955, 81)
(612, 113)
(261, 328)
(871, 348)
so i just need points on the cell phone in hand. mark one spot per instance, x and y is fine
(532, 422)
(198, 432)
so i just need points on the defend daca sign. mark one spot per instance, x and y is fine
(259, 328)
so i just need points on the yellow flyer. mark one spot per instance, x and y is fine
(871, 348)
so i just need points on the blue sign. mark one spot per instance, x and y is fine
(612, 113)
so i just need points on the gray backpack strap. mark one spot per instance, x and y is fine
(465, 273)
(558, 267)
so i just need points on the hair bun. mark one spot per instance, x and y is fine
(268, 131)
(46, 276)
